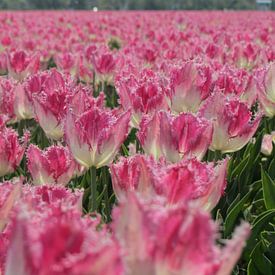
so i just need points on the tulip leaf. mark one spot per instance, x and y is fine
(271, 169)
(259, 263)
(268, 190)
(234, 213)
(259, 224)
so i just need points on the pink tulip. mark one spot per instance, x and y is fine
(104, 64)
(60, 241)
(6, 98)
(95, 136)
(53, 165)
(267, 144)
(232, 121)
(193, 180)
(178, 240)
(266, 92)
(10, 192)
(175, 137)
(11, 150)
(143, 94)
(137, 173)
(188, 180)
(50, 103)
(190, 85)
(20, 65)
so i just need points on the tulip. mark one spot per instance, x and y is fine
(11, 150)
(190, 85)
(53, 165)
(143, 94)
(6, 98)
(135, 173)
(50, 103)
(267, 144)
(104, 64)
(20, 65)
(266, 92)
(189, 180)
(175, 137)
(177, 240)
(233, 122)
(60, 241)
(95, 137)
(10, 192)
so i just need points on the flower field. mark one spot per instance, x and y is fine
(137, 143)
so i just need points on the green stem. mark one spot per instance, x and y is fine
(106, 194)
(217, 155)
(93, 189)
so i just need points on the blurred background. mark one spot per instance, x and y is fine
(139, 4)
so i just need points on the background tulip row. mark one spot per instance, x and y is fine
(137, 143)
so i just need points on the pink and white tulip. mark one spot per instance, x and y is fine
(95, 136)
(11, 150)
(233, 122)
(178, 240)
(21, 65)
(53, 165)
(175, 137)
(190, 84)
(144, 94)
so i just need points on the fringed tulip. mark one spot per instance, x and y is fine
(50, 103)
(6, 98)
(189, 180)
(95, 137)
(135, 173)
(60, 241)
(20, 65)
(104, 64)
(190, 85)
(54, 165)
(178, 240)
(233, 122)
(193, 180)
(175, 137)
(144, 94)
(11, 150)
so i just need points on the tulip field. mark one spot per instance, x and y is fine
(137, 143)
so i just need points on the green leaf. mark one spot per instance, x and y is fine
(259, 263)
(271, 169)
(268, 190)
(233, 214)
(259, 224)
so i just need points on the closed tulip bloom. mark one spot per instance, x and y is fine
(53, 165)
(7, 98)
(21, 65)
(173, 241)
(233, 122)
(267, 144)
(95, 137)
(190, 85)
(11, 150)
(175, 137)
(266, 91)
